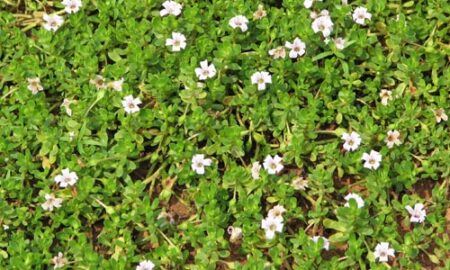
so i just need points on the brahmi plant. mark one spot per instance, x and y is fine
(275, 134)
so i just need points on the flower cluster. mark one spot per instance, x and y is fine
(53, 21)
(273, 222)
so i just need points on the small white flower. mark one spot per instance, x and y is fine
(116, 85)
(393, 138)
(300, 183)
(273, 165)
(99, 82)
(308, 3)
(205, 71)
(271, 225)
(382, 251)
(339, 43)
(131, 104)
(5, 227)
(259, 13)
(145, 265)
(72, 6)
(352, 141)
(297, 48)
(178, 42)
(278, 52)
(66, 104)
(323, 24)
(440, 115)
(235, 234)
(59, 261)
(52, 22)
(239, 22)
(199, 162)
(256, 168)
(324, 13)
(356, 197)
(34, 85)
(326, 242)
(372, 160)
(51, 202)
(170, 8)
(261, 79)
(71, 135)
(66, 178)
(385, 96)
(360, 14)
(417, 213)
(277, 212)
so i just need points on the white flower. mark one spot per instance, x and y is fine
(278, 52)
(273, 165)
(323, 24)
(393, 138)
(52, 22)
(199, 162)
(256, 168)
(271, 225)
(239, 22)
(178, 42)
(235, 234)
(372, 160)
(261, 78)
(382, 251)
(66, 104)
(116, 85)
(5, 227)
(352, 141)
(359, 201)
(299, 183)
(205, 71)
(277, 212)
(385, 96)
(440, 115)
(71, 135)
(145, 265)
(326, 242)
(131, 104)
(417, 213)
(297, 48)
(360, 14)
(66, 178)
(98, 81)
(170, 8)
(34, 85)
(72, 6)
(259, 13)
(59, 261)
(339, 43)
(308, 3)
(51, 202)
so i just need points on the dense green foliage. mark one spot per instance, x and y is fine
(137, 196)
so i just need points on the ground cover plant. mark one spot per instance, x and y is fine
(245, 134)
